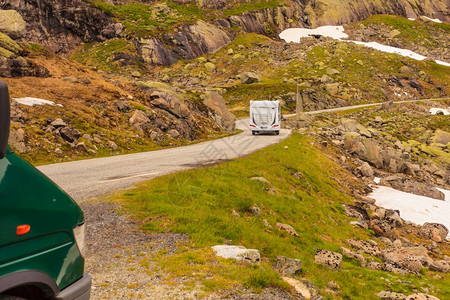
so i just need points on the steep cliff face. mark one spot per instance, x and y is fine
(331, 12)
(61, 25)
(190, 42)
(205, 38)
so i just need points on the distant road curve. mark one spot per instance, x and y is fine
(315, 112)
(85, 179)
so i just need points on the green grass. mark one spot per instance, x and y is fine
(200, 203)
(101, 56)
(251, 6)
(361, 72)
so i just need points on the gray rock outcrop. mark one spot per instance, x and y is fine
(238, 253)
(365, 149)
(219, 112)
(249, 77)
(411, 186)
(288, 228)
(189, 42)
(328, 259)
(12, 24)
(421, 296)
(434, 231)
(288, 266)
(390, 295)
(440, 266)
(62, 25)
(13, 64)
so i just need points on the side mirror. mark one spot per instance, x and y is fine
(4, 118)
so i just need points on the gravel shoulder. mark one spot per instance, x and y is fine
(120, 259)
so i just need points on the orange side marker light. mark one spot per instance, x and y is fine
(23, 229)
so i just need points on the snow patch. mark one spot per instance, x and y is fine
(337, 32)
(377, 180)
(414, 208)
(433, 20)
(295, 34)
(30, 101)
(389, 49)
(434, 111)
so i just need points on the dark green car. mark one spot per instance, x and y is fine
(41, 230)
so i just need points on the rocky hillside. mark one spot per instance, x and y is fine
(164, 32)
(422, 36)
(161, 68)
(96, 114)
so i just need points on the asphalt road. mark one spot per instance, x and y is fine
(91, 178)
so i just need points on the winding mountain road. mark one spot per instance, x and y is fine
(85, 179)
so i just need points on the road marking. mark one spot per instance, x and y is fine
(129, 177)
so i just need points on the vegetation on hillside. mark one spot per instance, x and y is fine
(309, 190)
(333, 73)
(150, 19)
(93, 103)
(421, 35)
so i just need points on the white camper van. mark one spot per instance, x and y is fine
(265, 116)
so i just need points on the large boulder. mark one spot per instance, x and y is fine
(349, 125)
(154, 51)
(350, 254)
(390, 295)
(238, 253)
(328, 259)
(288, 266)
(12, 64)
(139, 120)
(288, 228)
(441, 137)
(381, 227)
(411, 186)
(364, 149)
(434, 231)
(412, 264)
(12, 24)
(366, 247)
(219, 112)
(421, 296)
(268, 185)
(440, 266)
(6, 43)
(170, 103)
(409, 258)
(249, 77)
(17, 140)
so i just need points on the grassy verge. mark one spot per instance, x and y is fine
(309, 191)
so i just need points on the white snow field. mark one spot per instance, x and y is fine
(337, 32)
(414, 208)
